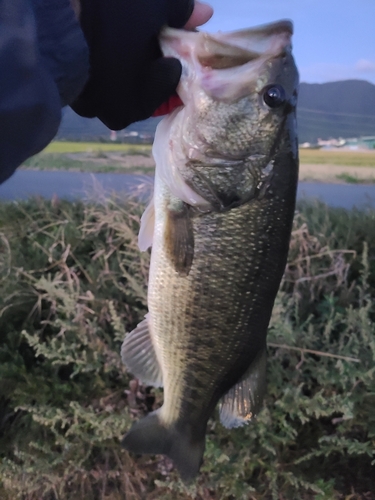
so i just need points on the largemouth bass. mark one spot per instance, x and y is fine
(219, 225)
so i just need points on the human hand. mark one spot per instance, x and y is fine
(129, 78)
(200, 15)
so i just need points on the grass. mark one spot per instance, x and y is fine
(53, 161)
(348, 158)
(350, 179)
(103, 164)
(93, 157)
(72, 282)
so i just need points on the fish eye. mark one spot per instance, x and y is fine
(274, 96)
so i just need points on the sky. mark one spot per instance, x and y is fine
(333, 39)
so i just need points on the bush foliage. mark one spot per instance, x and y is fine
(73, 282)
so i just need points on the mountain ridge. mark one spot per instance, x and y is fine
(344, 108)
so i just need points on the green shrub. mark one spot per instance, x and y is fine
(73, 282)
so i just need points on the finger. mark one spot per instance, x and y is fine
(160, 84)
(201, 14)
(179, 11)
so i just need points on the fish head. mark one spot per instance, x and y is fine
(238, 88)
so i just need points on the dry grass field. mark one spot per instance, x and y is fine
(316, 165)
(94, 147)
(362, 158)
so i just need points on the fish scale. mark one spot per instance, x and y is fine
(228, 283)
(219, 224)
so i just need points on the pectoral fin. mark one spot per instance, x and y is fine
(244, 400)
(179, 238)
(138, 355)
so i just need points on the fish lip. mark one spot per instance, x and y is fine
(268, 29)
(284, 25)
(201, 50)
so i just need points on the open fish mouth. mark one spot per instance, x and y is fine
(227, 50)
(222, 58)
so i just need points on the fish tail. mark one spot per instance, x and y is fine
(150, 435)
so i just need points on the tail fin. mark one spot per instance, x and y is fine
(149, 435)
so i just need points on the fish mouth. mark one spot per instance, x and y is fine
(228, 50)
(225, 64)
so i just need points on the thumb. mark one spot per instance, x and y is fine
(160, 83)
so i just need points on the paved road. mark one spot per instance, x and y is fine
(70, 185)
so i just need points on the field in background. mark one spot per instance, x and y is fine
(94, 147)
(93, 157)
(316, 165)
(337, 166)
(333, 157)
(73, 282)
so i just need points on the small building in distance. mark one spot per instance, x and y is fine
(306, 145)
(366, 142)
(331, 143)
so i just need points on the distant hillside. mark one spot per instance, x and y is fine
(334, 109)
(74, 127)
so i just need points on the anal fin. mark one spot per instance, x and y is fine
(244, 400)
(138, 355)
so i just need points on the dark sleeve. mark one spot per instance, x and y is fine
(34, 69)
